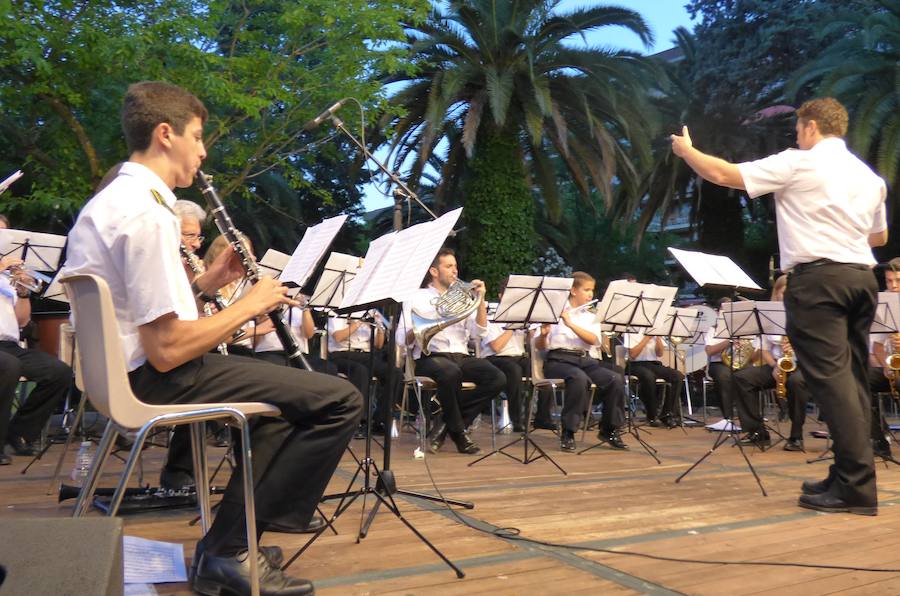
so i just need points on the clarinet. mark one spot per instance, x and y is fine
(218, 300)
(239, 244)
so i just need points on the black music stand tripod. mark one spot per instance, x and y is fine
(530, 300)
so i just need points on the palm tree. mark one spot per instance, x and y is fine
(500, 88)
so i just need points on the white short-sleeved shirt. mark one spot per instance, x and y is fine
(358, 340)
(514, 347)
(773, 345)
(827, 202)
(561, 336)
(648, 353)
(270, 342)
(9, 323)
(126, 237)
(710, 339)
(452, 340)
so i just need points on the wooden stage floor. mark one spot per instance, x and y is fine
(622, 501)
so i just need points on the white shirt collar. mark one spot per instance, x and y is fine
(147, 176)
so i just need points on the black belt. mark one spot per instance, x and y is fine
(565, 352)
(802, 267)
(350, 350)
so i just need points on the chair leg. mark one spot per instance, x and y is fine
(587, 414)
(201, 473)
(90, 483)
(249, 503)
(494, 423)
(132, 460)
(73, 428)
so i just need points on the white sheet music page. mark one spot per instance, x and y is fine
(43, 250)
(272, 263)
(340, 270)
(374, 255)
(311, 249)
(401, 266)
(716, 270)
(519, 297)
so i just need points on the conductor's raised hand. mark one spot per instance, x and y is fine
(681, 144)
(266, 295)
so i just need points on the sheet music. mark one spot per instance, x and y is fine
(43, 251)
(619, 309)
(340, 270)
(887, 314)
(676, 322)
(273, 263)
(740, 318)
(7, 182)
(152, 561)
(715, 270)
(310, 251)
(545, 297)
(396, 263)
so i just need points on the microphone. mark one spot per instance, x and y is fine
(318, 120)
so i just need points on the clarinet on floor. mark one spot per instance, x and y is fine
(236, 239)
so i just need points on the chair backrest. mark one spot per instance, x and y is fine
(537, 359)
(68, 352)
(621, 356)
(100, 356)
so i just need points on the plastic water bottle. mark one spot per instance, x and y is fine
(82, 463)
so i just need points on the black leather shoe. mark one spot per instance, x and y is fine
(815, 487)
(20, 446)
(315, 524)
(436, 437)
(830, 504)
(273, 554)
(543, 425)
(567, 442)
(613, 438)
(464, 444)
(794, 445)
(231, 575)
(756, 439)
(5, 460)
(175, 479)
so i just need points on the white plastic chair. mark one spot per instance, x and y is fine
(102, 365)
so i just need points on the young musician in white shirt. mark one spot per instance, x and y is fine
(568, 344)
(882, 345)
(644, 353)
(449, 362)
(721, 374)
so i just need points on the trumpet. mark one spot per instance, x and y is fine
(26, 278)
(892, 363)
(784, 366)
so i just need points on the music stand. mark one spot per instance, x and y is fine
(340, 269)
(627, 306)
(530, 300)
(393, 269)
(40, 252)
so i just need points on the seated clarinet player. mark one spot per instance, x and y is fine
(505, 349)
(753, 379)
(128, 235)
(349, 345)
(720, 373)
(644, 353)
(449, 362)
(568, 344)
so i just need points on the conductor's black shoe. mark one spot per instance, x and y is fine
(231, 575)
(613, 438)
(543, 425)
(567, 441)
(171, 479)
(273, 553)
(20, 446)
(5, 460)
(815, 487)
(793, 445)
(464, 444)
(830, 504)
(881, 448)
(756, 439)
(436, 437)
(315, 524)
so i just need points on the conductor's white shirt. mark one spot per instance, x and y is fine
(125, 237)
(452, 340)
(827, 202)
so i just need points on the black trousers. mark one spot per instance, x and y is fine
(53, 380)
(294, 456)
(878, 383)
(579, 372)
(391, 386)
(753, 379)
(723, 377)
(514, 368)
(829, 311)
(647, 372)
(449, 371)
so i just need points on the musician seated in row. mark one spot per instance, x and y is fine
(505, 349)
(721, 374)
(128, 235)
(449, 362)
(753, 379)
(53, 377)
(349, 347)
(882, 346)
(644, 354)
(568, 343)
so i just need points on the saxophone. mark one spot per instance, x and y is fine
(784, 366)
(892, 363)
